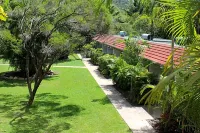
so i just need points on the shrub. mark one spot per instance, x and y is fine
(95, 53)
(132, 52)
(105, 62)
(118, 73)
(130, 78)
(153, 78)
(139, 82)
(123, 74)
(87, 49)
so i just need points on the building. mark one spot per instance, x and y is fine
(157, 52)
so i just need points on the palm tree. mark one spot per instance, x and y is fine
(184, 91)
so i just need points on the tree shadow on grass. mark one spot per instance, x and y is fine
(12, 83)
(103, 101)
(52, 77)
(67, 60)
(46, 115)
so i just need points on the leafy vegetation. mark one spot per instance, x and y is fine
(132, 52)
(105, 62)
(38, 33)
(3, 15)
(87, 49)
(95, 54)
(129, 78)
(127, 72)
(138, 17)
(178, 91)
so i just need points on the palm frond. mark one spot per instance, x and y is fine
(181, 18)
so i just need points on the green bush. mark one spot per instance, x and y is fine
(130, 78)
(105, 62)
(119, 75)
(87, 49)
(135, 96)
(132, 52)
(153, 78)
(95, 53)
(123, 73)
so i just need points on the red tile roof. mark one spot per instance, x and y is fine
(156, 52)
(113, 41)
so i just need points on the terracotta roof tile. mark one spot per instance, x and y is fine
(156, 52)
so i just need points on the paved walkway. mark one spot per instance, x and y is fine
(135, 117)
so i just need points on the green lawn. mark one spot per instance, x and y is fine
(66, 103)
(3, 62)
(73, 60)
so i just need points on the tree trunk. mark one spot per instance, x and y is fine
(32, 96)
(31, 99)
(27, 74)
(38, 79)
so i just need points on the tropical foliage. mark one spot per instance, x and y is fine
(132, 52)
(178, 91)
(87, 49)
(105, 62)
(95, 54)
(129, 78)
(138, 17)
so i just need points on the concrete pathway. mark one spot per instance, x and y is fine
(135, 117)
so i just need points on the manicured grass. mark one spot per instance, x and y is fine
(70, 102)
(5, 68)
(3, 62)
(73, 60)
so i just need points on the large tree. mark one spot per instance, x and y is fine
(38, 32)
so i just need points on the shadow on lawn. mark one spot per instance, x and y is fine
(46, 115)
(17, 82)
(12, 83)
(68, 60)
(102, 101)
